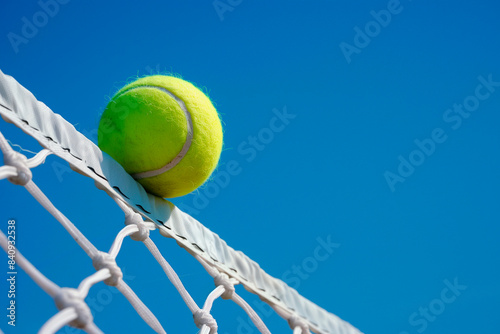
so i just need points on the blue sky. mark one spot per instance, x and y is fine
(372, 126)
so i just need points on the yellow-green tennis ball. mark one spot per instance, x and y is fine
(164, 132)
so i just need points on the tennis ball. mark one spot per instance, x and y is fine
(164, 132)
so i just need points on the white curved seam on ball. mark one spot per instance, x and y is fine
(187, 143)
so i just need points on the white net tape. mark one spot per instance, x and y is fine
(227, 266)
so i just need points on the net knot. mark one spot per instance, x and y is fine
(20, 162)
(202, 317)
(225, 281)
(105, 261)
(68, 297)
(135, 219)
(295, 322)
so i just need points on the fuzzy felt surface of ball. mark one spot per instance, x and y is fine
(165, 132)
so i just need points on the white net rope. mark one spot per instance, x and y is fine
(226, 266)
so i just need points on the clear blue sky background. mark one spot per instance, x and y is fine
(322, 175)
